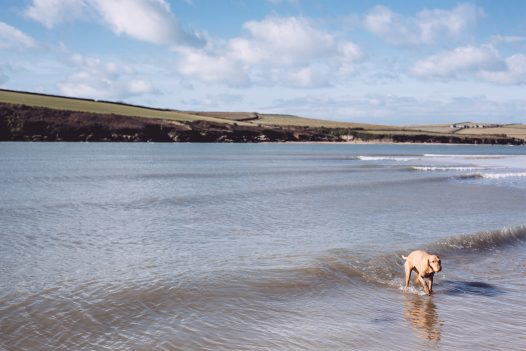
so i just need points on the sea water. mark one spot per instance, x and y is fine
(107, 246)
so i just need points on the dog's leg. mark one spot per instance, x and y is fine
(424, 284)
(430, 283)
(408, 271)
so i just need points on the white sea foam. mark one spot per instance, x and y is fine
(445, 168)
(468, 156)
(511, 163)
(412, 290)
(385, 158)
(493, 175)
(503, 175)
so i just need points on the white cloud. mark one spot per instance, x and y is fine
(139, 87)
(277, 50)
(147, 20)
(51, 12)
(287, 40)
(476, 62)
(458, 62)
(151, 21)
(97, 79)
(209, 67)
(314, 76)
(427, 27)
(514, 72)
(10, 37)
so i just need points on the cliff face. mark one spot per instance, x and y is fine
(25, 123)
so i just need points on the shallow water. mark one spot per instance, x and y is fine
(258, 247)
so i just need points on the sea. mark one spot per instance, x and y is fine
(153, 246)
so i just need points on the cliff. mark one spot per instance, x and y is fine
(31, 123)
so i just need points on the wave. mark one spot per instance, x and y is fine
(342, 267)
(254, 172)
(335, 268)
(469, 176)
(186, 200)
(416, 157)
(386, 158)
(483, 241)
(503, 175)
(92, 306)
(469, 156)
(492, 175)
(444, 168)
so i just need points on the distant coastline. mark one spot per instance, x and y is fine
(38, 117)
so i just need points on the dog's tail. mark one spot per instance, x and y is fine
(404, 257)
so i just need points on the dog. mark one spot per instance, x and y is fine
(425, 265)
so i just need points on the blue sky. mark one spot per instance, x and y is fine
(395, 62)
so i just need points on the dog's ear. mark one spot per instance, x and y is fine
(429, 259)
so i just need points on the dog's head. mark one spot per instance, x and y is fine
(435, 263)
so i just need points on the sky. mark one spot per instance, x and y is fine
(388, 62)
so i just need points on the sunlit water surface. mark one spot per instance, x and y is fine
(259, 247)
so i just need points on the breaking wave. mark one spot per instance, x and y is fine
(341, 266)
(444, 168)
(387, 158)
(503, 175)
(468, 156)
(487, 240)
(492, 175)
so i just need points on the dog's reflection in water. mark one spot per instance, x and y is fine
(421, 314)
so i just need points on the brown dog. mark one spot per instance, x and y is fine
(425, 266)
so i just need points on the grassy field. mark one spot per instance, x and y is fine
(510, 130)
(72, 104)
(515, 131)
(434, 128)
(288, 120)
(234, 116)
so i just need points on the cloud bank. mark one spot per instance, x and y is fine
(290, 51)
